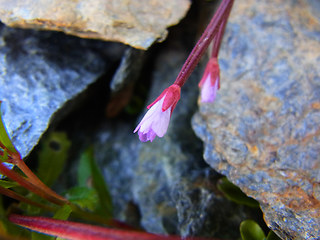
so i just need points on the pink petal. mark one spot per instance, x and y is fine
(150, 116)
(208, 91)
(144, 137)
(154, 123)
(160, 126)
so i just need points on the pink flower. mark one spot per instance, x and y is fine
(210, 82)
(156, 121)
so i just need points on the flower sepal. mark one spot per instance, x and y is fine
(210, 81)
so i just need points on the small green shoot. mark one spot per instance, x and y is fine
(250, 230)
(234, 193)
(4, 136)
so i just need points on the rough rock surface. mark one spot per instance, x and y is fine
(138, 23)
(263, 130)
(37, 77)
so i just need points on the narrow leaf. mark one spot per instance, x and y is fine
(84, 171)
(8, 184)
(63, 213)
(272, 236)
(40, 236)
(234, 193)
(99, 185)
(52, 157)
(250, 230)
(4, 136)
(84, 197)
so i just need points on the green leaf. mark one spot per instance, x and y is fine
(30, 209)
(8, 184)
(41, 236)
(234, 193)
(4, 136)
(84, 170)
(84, 197)
(250, 230)
(100, 186)
(52, 157)
(4, 157)
(272, 236)
(63, 213)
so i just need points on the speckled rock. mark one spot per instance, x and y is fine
(138, 23)
(263, 130)
(40, 73)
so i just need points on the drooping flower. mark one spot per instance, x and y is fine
(210, 82)
(156, 121)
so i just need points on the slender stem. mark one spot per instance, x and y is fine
(28, 185)
(219, 36)
(15, 158)
(203, 43)
(18, 197)
(34, 184)
(36, 181)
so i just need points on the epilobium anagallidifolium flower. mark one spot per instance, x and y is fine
(210, 82)
(156, 121)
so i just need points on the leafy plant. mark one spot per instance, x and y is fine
(250, 230)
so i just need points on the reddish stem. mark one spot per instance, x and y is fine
(73, 230)
(204, 41)
(26, 184)
(36, 181)
(15, 158)
(18, 197)
(219, 36)
(218, 39)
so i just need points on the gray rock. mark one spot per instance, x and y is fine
(263, 130)
(129, 69)
(40, 73)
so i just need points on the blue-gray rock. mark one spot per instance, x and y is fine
(128, 70)
(40, 73)
(123, 81)
(263, 130)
